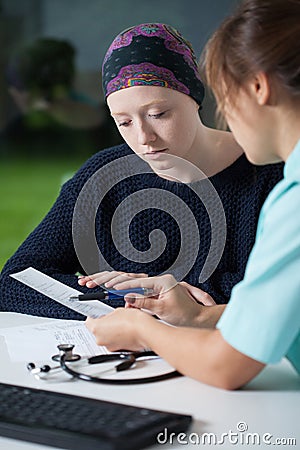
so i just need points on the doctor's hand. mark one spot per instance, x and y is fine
(121, 329)
(107, 278)
(173, 302)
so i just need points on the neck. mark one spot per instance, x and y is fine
(288, 130)
(211, 152)
(214, 150)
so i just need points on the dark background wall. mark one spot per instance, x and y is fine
(90, 25)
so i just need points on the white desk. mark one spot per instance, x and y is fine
(269, 404)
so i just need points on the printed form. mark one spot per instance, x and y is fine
(35, 341)
(40, 341)
(61, 293)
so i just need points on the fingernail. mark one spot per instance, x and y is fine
(130, 299)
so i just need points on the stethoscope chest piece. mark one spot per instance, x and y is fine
(66, 350)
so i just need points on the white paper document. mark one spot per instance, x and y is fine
(60, 292)
(39, 342)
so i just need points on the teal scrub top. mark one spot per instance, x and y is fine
(262, 318)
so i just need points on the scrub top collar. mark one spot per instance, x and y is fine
(292, 165)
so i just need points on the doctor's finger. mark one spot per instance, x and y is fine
(198, 294)
(158, 285)
(141, 302)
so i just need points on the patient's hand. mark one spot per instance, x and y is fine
(107, 279)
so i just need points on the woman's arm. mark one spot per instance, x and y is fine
(49, 248)
(201, 354)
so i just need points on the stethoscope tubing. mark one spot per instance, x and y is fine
(129, 358)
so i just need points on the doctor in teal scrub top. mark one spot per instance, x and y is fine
(262, 319)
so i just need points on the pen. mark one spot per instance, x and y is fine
(112, 294)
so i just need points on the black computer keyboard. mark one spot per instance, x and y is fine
(80, 423)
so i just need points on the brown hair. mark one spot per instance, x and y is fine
(262, 35)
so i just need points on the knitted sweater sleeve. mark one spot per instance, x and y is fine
(49, 248)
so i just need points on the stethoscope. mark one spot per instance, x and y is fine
(128, 359)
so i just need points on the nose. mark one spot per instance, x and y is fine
(145, 133)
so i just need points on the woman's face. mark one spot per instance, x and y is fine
(156, 122)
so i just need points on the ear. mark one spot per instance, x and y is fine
(260, 88)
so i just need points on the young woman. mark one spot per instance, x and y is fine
(253, 67)
(130, 207)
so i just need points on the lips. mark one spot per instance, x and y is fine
(155, 153)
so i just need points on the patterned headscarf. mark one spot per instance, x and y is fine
(151, 54)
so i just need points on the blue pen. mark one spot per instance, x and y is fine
(111, 294)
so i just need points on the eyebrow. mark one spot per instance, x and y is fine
(152, 103)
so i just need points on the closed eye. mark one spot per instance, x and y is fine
(124, 124)
(157, 116)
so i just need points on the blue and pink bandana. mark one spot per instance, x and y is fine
(152, 54)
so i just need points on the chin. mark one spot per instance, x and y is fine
(160, 166)
(262, 160)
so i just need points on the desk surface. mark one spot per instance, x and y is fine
(269, 404)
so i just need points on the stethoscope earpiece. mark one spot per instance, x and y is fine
(30, 366)
(65, 350)
(36, 371)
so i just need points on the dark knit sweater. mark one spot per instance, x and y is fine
(242, 188)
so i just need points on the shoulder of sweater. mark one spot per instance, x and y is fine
(275, 169)
(242, 168)
(264, 168)
(96, 162)
(105, 156)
